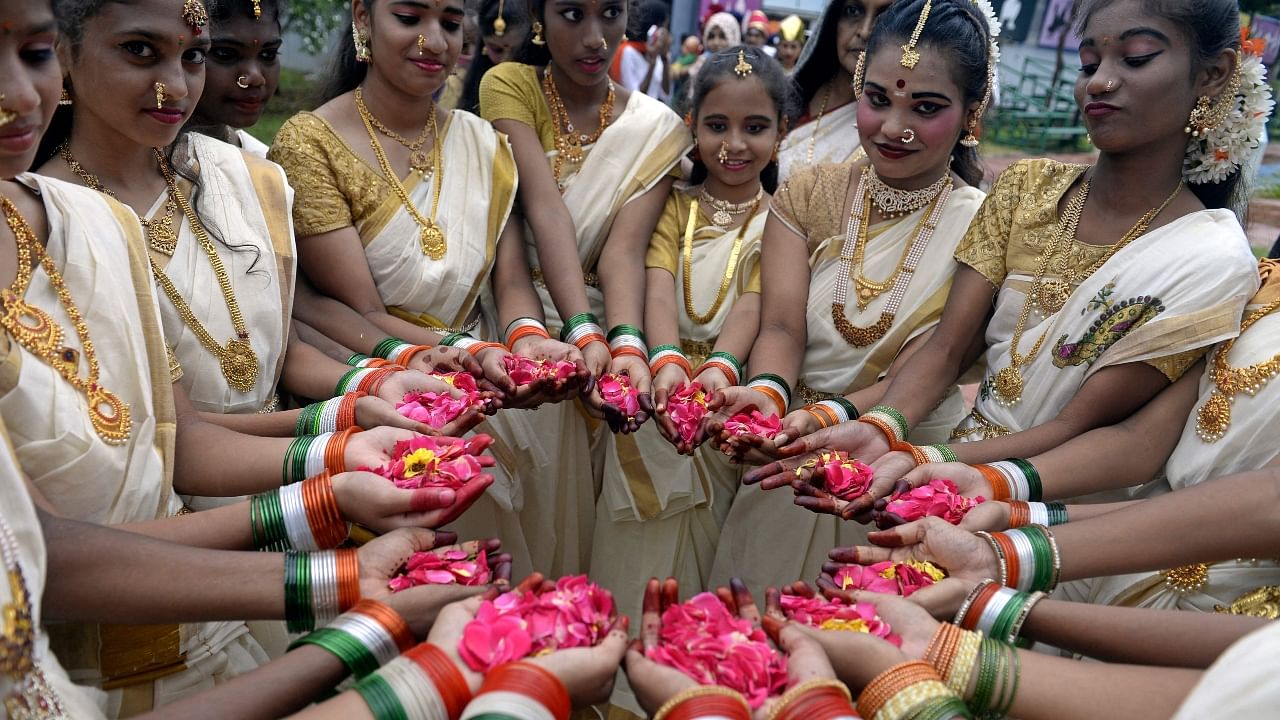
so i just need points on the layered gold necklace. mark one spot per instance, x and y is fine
(1008, 381)
(726, 211)
(727, 280)
(569, 142)
(1214, 417)
(161, 234)
(853, 254)
(431, 236)
(237, 359)
(36, 330)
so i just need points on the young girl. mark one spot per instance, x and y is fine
(596, 165)
(857, 266)
(504, 27)
(662, 506)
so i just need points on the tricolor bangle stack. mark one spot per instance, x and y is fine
(328, 416)
(726, 363)
(474, 347)
(939, 453)
(705, 701)
(992, 667)
(889, 421)
(628, 340)
(519, 690)
(997, 611)
(364, 638)
(775, 387)
(301, 516)
(524, 327)
(395, 351)
(1028, 557)
(1022, 513)
(422, 684)
(832, 412)
(1013, 479)
(318, 586)
(311, 455)
(581, 330)
(366, 380)
(360, 360)
(909, 690)
(664, 355)
(819, 699)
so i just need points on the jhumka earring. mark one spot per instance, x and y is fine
(6, 116)
(537, 34)
(723, 155)
(910, 56)
(422, 45)
(160, 94)
(500, 23)
(970, 140)
(65, 99)
(361, 40)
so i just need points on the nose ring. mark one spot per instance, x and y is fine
(1111, 84)
(160, 95)
(242, 82)
(908, 136)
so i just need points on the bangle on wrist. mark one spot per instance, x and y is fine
(525, 327)
(889, 421)
(301, 516)
(360, 360)
(335, 451)
(896, 691)
(479, 347)
(628, 340)
(444, 675)
(731, 373)
(664, 355)
(318, 586)
(818, 699)
(736, 370)
(705, 701)
(775, 387)
(406, 355)
(520, 689)
(387, 346)
(364, 638)
(1028, 557)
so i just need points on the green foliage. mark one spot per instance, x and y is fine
(315, 21)
(296, 93)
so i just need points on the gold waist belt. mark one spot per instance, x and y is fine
(697, 351)
(590, 278)
(989, 430)
(811, 396)
(123, 655)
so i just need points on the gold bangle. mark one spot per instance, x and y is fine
(789, 696)
(699, 691)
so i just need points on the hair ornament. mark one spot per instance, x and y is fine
(257, 9)
(743, 68)
(195, 15)
(1220, 150)
(500, 23)
(992, 93)
(910, 56)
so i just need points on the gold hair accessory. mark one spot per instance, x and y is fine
(422, 45)
(65, 99)
(257, 9)
(500, 23)
(537, 34)
(910, 57)
(361, 40)
(743, 68)
(6, 116)
(195, 15)
(723, 155)
(242, 82)
(160, 94)
(1209, 113)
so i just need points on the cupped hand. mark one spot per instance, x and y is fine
(420, 606)
(376, 503)
(637, 371)
(961, 553)
(806, 659)
(372, 412)
(398, 384)
(968, 480)
(382, 557)
(588, 672)
(495, 370)
(887, 473)
(444, 359)
(597, 357)
(856, 658)
(546, 349)
(652, 683)
(372, 448)
(446, 634)
(668, 380)
(909, 620)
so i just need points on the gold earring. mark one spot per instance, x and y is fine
(500, 23)
(6, 116)
(970, 140)
(1210, 113)
(160, 94)
(422, 45)
(537, 34)
(361, 40)
(723, 155)
(65, 99)
(859, 75)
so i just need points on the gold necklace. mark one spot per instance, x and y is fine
(817, 123)
(161, 235)
(1214, 417)
(431, 236)
(853, 252)
(729, 271)
(726, 211)
(569, 141)
(1009, 381)
(238, 361)
(31, 695)
(42, 337)
(418, 160)
(894, 203)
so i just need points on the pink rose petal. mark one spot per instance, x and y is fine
(686, 407)
(754, 423)
(431, 461)
(525, 371)
(838, 615)
(940, 498)
(888, 577)
(618, 391)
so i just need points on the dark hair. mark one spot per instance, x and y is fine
(1210, 26)
(224, 10)
(652, 13)
(517, 20)
(720, 66)
(345, 72)
(72, 16)
(530, 53)
(958, 29)
(814, 70)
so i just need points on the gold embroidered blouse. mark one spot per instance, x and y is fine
(667, 245)
(812, 202)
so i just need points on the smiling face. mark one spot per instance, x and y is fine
(244, 51)
(1135, 84)
(415, 68)
(576, 33)
(857, 17)
(30, 80)
(125, 50)
(739, 114)
(925, 101)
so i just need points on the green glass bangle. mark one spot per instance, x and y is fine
(941, 709)
(307, 419)
(988, 658)
(381, 699)
(353, 654)
(356, 359)
(1014, 673)
(340, 388)
(898, 418)
(385, 346)
(1057, 513)
(848, 407)
(620, 330)
(1000, 629)
(653, 352)
(728, 357)
(947, 453)
(266, 518)
(293, 610)
(1033, 478)
(1043, 553)
(454, 338)
(576, 321)
(774, 378)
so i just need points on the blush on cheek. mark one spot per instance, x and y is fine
(869, 121)
(941, 130)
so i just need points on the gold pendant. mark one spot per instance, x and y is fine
(1214, 417)
(433, 241)
(1263, 602)
(421, 161)
(40, 335)
(721, 218)
(1009, 384)
(240, 365)
(161, 236)
(910, 58)
(1051, 296)
(109, 415)
(1188, 578)
(859, 336)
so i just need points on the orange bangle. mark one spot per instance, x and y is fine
(586, 340)
(524, 332)
(941, 652)
(1000, 489)
(813, 412)
(388, 619)
(980, 601)
(628, 350)
(409, 354)
(669, 360)
(891, 682)
(347, 410)
(335, 453)
(446, 677)
(729, 373)
(773, 395)
(1019, 513)
(348, 564)
(1011, 563)
(883, 426)
(369, 383)
(533, 682)
(480, 347)
(321, 506)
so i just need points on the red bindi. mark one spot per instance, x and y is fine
(901, 83)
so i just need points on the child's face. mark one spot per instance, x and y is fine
(737, 130)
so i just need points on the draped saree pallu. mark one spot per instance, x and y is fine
(767, 540)
(830, 137)
(96, 245)
(637, 150)
(660, 512)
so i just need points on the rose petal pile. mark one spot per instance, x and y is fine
(753, 423)
(449, 567)
(703, 640)
(940, 498)
(890, 578)
(526, 371)
(439, 409)
(429, 461)
(845, 478)
(575, 613)
(687, 406)
(617, 390)
(838, 615)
